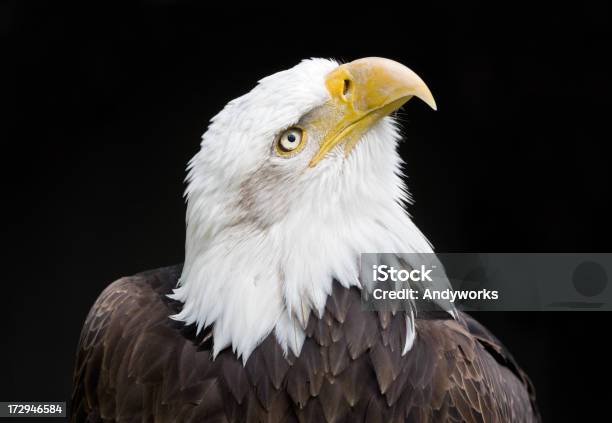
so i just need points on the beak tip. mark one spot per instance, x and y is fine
(428, 98)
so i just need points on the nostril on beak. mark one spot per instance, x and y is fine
(347, 87)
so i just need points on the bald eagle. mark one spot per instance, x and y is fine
(264, 320)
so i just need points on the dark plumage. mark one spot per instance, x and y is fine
(136, 364)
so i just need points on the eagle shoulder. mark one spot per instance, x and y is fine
(135, 363)
(471, 376)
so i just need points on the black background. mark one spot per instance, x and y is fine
(108, 105)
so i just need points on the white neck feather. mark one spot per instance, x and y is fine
(249, 279)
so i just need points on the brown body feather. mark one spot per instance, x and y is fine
(134, 364)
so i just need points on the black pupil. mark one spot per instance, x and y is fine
(291, 137)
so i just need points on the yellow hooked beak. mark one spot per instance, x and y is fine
(363, 92)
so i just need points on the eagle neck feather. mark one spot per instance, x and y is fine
(247, 280)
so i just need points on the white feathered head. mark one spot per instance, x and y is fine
(293, 181)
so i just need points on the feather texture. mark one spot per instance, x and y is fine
(280, 231)
(134, 363)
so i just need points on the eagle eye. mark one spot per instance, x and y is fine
(290, 141)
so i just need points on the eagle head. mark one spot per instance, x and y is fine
(293, 181)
